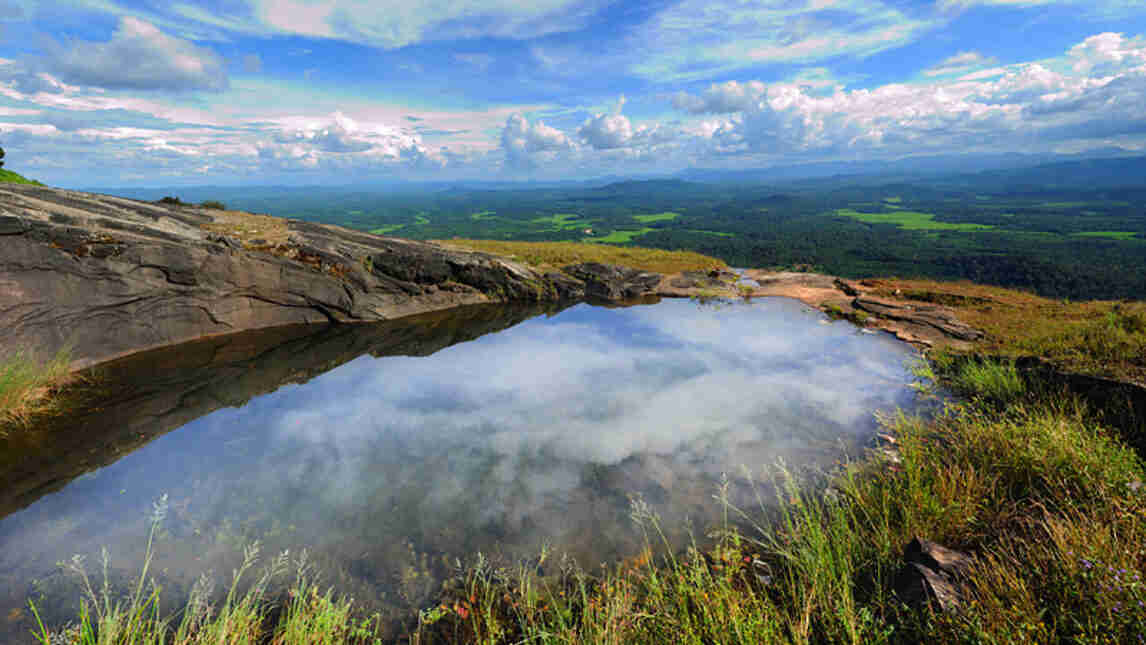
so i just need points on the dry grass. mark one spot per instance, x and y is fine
(1104, 338)
(557, 254)
(249, 227)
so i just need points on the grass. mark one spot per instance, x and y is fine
(558, 254)
(1100, 338)
(657, 217)
(910, 220)
(26, 384)
(622, 237)
(1113, 235)
(15, 178)
(248, 613)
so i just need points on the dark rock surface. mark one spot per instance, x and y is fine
(931, 573)
(133, 400)
(609, 282)
(109, 276)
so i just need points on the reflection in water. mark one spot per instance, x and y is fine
(392, 467)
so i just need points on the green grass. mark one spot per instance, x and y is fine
(15, 178)
(482, 215)
(658, 217)
(385, 230)
(246, 614)
(1113, 235)
(910, 220)
(26, 384)
(563, 222)
(621, 237)
(716, 233)
(893, 200)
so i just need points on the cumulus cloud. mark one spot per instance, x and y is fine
(723, 98)
(1010, 106)
(139, 57)
(608, 131)
(1108, 53)
(527, 143)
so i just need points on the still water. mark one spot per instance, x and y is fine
(389, 468)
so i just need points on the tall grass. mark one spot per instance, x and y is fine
(25, 383)
(245, 615)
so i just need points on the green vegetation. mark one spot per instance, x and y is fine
(558, 254)
(304, 615)
(25, 384)
(386, 230)
(7, 176)
(621, 237)
(1100, 338)
(910, 220)
(213, 205)
(1114, 235)
(658, 217)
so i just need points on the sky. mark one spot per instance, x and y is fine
(171, 92)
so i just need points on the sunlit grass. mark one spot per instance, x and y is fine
(558, 254)
(1094, 337)
(26, 384)
(910, 220)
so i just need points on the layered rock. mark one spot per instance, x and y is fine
(108, 276)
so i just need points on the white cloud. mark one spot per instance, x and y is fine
(697, 39)
(1002, 108)
(140, 57)
(397, 23)
(723, 98)
(525, 144)
(960, 63)
(1108, 53)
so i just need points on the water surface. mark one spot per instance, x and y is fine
(391, 468)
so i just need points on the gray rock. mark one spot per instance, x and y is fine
(609, 282)
(109, 276)
(935, 316)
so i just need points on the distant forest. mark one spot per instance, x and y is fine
(1074, 230)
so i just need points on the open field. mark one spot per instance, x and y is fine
(910, 220)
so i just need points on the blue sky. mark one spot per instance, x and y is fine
(164, 92)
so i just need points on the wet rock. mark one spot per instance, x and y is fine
(931, 574)
(936, 317)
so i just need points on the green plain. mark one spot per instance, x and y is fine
(620, 237)
(910, 220)
(658, 217)
(1113, 235)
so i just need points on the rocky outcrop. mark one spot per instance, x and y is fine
(108, 276)
(609, 282)
(936, 316)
